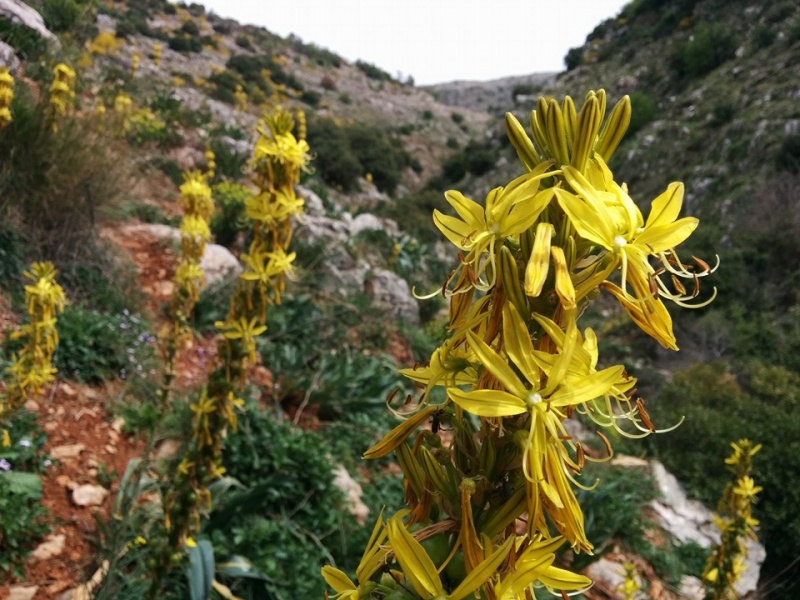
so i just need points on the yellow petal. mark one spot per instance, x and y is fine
(590, 387)
(482, 572)
(667, 206)
(496, 365)
(663, 237)
(454, 230)
(469, 210)
(562, 579)
(539, 262)
(417, 565)
(518, 344)
(399, 434)
(488, 403)
(337, 580)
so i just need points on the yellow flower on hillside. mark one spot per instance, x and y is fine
(479, 231)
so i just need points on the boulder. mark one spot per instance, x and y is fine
(8, 57)
(387, 289)
(89, 495)
(22, 14)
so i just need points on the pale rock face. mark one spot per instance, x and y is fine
(388, 289)
(352, 492)
(689, 520)
(52, 546)
(89, 495)
(312, 205)
(22, 14)
(8, 57)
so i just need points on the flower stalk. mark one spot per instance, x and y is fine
(735, 522)
(31, 368)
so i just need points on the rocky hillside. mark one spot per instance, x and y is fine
(714, 86)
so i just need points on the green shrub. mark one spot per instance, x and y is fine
(96, 347)
(23, 523)
(28, 44)
(229, 220)
(788, 157)
(61, 15)
(230, 163)
(289, 520)
(763, 36)
(12, 257)
(643, 110)
(457, 118)
(708, 48)
(373, 72)
(57, 183)
(574, 58)
(346, 153)
(243, 42)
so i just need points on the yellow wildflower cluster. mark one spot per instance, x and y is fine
(241, 98)
(105, 43)
(62, 90)
(498, 491)
(276, 165)
(629, 587)
(189, 280)
(211, 163)
(157, 49)
(134, 65)
(735, 522)
(6, 96)
(32, 368)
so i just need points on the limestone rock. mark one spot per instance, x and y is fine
(608, 576)
(391, 291)
(218, 262)
(89, 495)
(22, 14)
(8, 57)
(52, 546)
(352, 493)
(67, 451)
(19, 592)
(312, 206)
(692, 588)
(367, 221)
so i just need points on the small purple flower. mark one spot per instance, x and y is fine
(4, 465)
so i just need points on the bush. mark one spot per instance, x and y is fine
(244, 42)
(56, 183)
(230, 163)
(96, 347)
(574, 58)
(61, 15)
(763, 36)
(643, 110)
(709, 47)
(22, 525)
(346, 153)
(788, 157)
(289, 520)
(229, 220)
(373, 72)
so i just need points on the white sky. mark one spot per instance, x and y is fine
(434, 40)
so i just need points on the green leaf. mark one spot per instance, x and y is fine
(201, 570)
(24, 484)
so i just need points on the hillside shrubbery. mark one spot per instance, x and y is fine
(345, 153)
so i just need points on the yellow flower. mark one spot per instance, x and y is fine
(508, 212)
(423, 575)
(747, 488)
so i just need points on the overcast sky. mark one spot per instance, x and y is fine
(434, 40)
